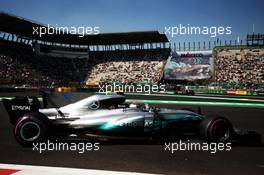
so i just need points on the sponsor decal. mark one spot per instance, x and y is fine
(241, 92)
(22, 108)
(231, 92)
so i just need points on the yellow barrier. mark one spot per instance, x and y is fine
(66, 89)
(241, 92)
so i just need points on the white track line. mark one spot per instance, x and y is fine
(46, 170)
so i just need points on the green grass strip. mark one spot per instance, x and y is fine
(228, 104)
(199, 97)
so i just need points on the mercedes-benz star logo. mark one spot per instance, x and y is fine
(94, 105)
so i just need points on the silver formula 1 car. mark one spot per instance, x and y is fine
(108, 116)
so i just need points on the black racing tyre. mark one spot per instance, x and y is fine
(30, 128)
(216, 129)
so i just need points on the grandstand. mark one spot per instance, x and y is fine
(69, 60)
(28, 60)
(241, 67)
(128, 67)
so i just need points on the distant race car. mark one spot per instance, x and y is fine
(108, 116)
(184, 90)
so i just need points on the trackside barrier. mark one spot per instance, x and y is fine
(232, 92)
(199, 90)
(66, 89)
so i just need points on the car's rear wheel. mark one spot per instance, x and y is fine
(30, 128)
(216, 129)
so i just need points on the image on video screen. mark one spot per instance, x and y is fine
(190, 66)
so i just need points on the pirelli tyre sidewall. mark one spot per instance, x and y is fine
(30, 128)
(216, 129)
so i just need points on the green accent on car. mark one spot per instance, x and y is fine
(22, 131)
(177, 117)
(108, 126)
(183, 117)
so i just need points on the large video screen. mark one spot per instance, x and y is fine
(189, 65)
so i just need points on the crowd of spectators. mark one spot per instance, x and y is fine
(244, 66)
(134, 67)
(21, 66)
(13, 73)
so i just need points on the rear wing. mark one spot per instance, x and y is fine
(19, 106)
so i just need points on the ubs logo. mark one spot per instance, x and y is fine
(22, 108)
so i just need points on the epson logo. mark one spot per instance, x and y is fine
(23, 108)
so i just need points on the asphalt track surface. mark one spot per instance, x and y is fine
(149, 158)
